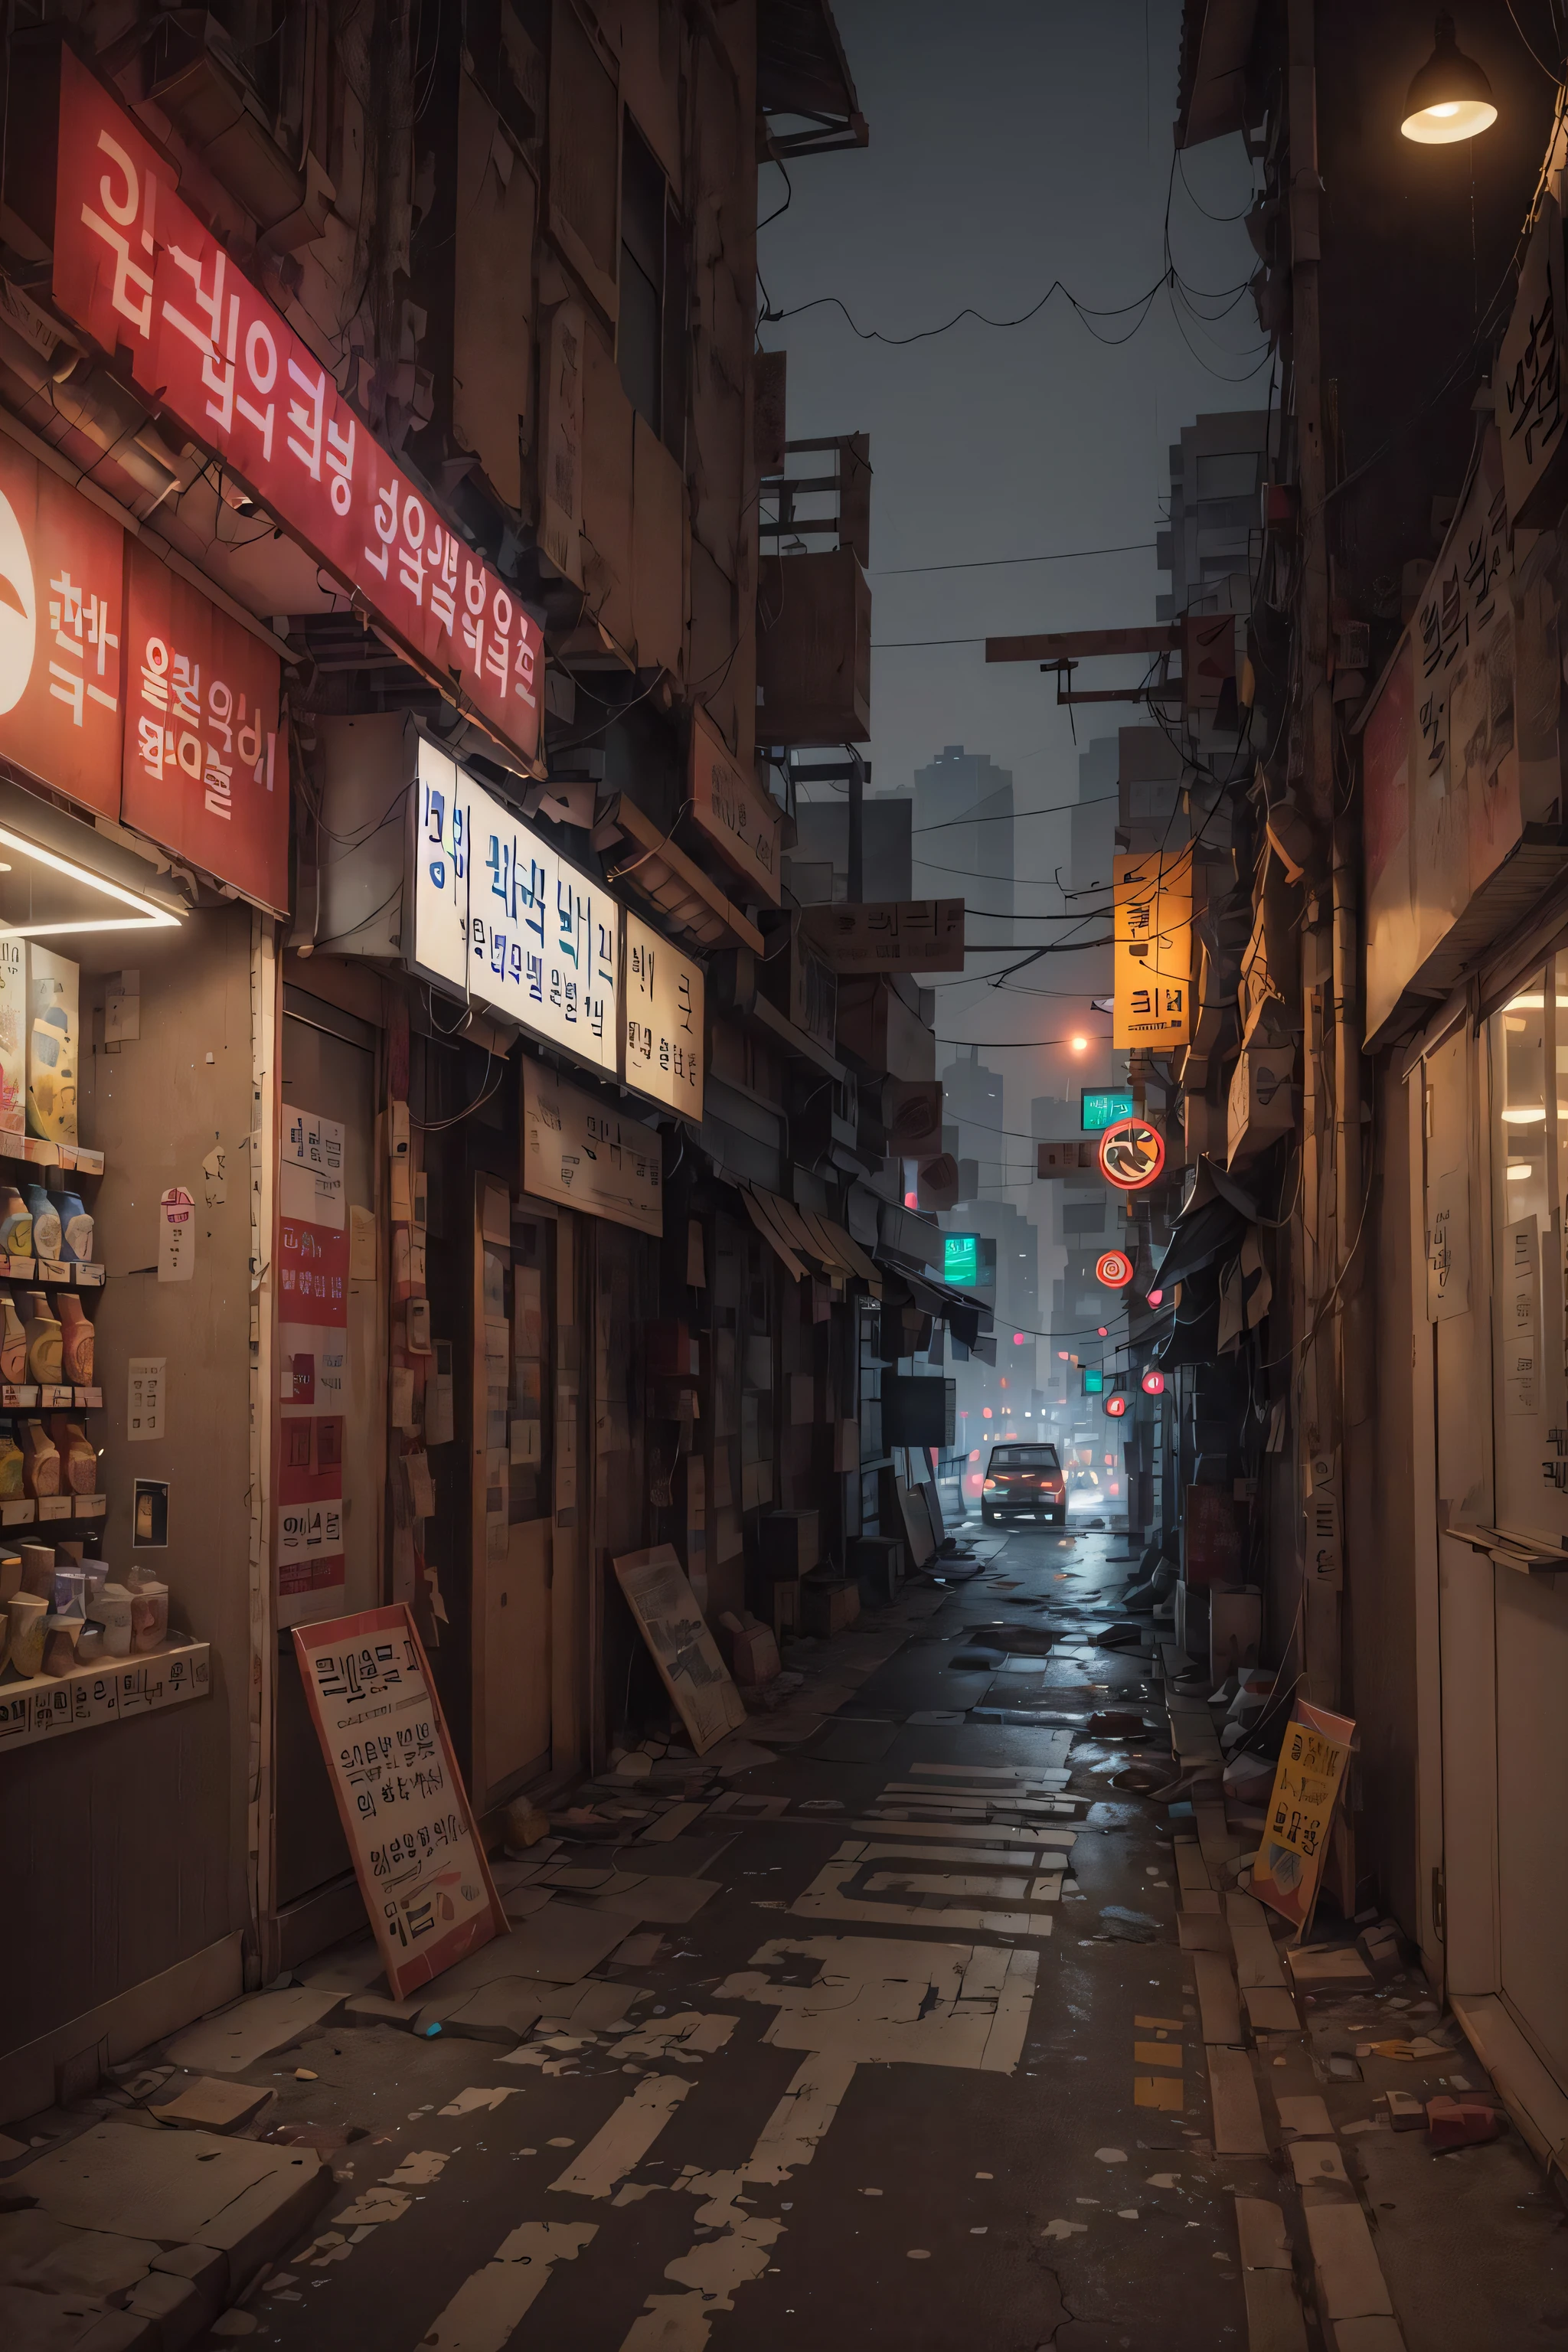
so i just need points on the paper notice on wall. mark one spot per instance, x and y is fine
(421, 1485)
(1520, 1333)
(1448, 1245)
(144, 1380)
(311, 1169)
(363, 1252)
(176, 1235)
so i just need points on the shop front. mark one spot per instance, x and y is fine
(143, 855)
(1461, 1645)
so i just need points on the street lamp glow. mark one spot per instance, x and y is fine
(1450, 99)
(1079, 1044)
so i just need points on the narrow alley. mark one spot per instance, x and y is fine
(909, 2027)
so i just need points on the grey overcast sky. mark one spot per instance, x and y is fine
(1013, 142)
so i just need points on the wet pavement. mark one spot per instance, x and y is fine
(926, 2067)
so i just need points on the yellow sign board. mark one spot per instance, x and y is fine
(1153, 918)
(1306, 1790)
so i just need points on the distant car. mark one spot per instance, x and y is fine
(1024, 1478)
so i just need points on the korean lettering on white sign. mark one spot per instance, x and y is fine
(399, 1794)
(664, 1021)
(501, 915)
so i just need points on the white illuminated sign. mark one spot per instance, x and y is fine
(663, 1021)
(501, 917)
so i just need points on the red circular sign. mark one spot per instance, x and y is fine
(1114, 1270)
(1153, 1383)
(1131, 1154)
(1116, 1406)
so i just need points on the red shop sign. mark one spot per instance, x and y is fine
(61, 633)
(206, 769)
(136, 269)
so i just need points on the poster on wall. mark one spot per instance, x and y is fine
(313, 1360)
(406, 1813)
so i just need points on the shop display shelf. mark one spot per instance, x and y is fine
(106, 1690)
(52, 1510)
(82, 1274)
(37, 1154)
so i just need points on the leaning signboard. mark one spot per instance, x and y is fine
(400, 1796)
(1295, 1838)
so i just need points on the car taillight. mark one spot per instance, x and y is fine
(988, 1487)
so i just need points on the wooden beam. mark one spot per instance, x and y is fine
(1171, 691)
(1078, 644)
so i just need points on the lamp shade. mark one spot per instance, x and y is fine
(1450, 98)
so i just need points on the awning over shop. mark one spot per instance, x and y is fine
(804, 1242)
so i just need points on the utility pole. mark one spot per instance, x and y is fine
(1331, 1115)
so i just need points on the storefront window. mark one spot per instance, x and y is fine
(1528, 1113)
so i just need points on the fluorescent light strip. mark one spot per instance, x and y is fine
(147, 916)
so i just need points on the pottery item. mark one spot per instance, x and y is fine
(16, 1224)
(46, 1341)
(39, 1569)
(46, 1224)
(89, 1641)
(81, 1459)
(113, 1606)
(11, 1485)
(149, 1614)
(76, 1229)
(75, 1340)
(10, 1576)
(40, 1459)
(59, 1644)
(26, 1614)
(13, 1340)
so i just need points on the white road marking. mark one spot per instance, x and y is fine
(492, 2302)
(619, 2146)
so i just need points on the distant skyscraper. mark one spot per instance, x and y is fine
(960, 785)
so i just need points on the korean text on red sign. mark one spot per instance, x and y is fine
(136, 269)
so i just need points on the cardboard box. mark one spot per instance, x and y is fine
(750, 1647)
(788, 1544)
(828, 1605)
(879, 1560)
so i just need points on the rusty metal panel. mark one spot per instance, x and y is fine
(658, 614)
(608, 478)
(492, 353)
(814, 649)
(585, 154)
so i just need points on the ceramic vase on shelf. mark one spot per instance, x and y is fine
(46, 1224)
(76, 1341)
(80, 1458)
(11, 1486)
(13, 1342)
(41, 1460)
(45, 1341)
(76, 1229)
(16, 1224)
